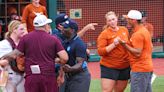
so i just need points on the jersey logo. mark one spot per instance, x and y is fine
(68, 48)
(113, 36)
(124, 33)
(130, 40)
(84, 65)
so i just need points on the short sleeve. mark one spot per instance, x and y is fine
(81, 50)
(137, 40)
(58, 45)
(5, 47)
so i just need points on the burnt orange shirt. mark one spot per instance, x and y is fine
(141, 39)
(116, 57)
(149, 27)
(29, 15)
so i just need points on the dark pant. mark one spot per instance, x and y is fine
(77, 83)
(40, 83)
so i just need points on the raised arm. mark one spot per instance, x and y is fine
(90, 26)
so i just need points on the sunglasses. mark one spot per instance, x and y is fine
(67, 29)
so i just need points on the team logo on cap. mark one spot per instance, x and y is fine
(67, 22)
(65, 17)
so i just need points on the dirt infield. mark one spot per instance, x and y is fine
(94, 68)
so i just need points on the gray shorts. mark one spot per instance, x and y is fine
(141, 82)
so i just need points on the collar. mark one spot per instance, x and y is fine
(40, 30)
(13, 45)
(137, 27)
(112, 30)
(72, 39)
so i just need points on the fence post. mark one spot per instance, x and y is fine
(52, 10)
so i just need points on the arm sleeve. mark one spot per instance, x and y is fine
(101, 44)
(45, 11)
(58, 46)
(81, 51)
(5, 48)
(25, 15)
(137, 41)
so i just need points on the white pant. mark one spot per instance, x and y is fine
(15, 82)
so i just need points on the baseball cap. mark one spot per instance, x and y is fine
(41, 20)
(134, 14)
(60, 18)
(144, 14)
(70, 24)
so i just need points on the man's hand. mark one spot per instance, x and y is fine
(57, 60)
(67, 68)
(90, 26)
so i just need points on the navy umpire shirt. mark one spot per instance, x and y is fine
(75, 48)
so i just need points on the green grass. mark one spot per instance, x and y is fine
(95, 86)
(158, 85)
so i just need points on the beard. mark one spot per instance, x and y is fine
(67, 35)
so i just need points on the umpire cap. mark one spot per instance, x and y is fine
(60, 18)
(70, 24)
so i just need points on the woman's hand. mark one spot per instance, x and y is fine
(4, 62)
(60, 78)
(116, 41)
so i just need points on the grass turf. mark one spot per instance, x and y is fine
(158, 85)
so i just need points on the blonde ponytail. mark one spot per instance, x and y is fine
(12, 26)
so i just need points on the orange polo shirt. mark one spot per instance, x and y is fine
(149, 27)
(29, 15)
(141, 39)
(116, 57)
